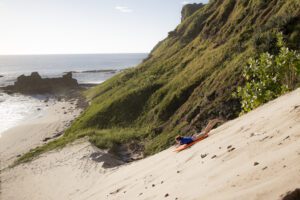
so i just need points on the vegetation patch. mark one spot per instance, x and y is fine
(269, 76)
(188, 78)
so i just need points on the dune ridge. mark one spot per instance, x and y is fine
(256, 156)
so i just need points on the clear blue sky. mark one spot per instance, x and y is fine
(86, 26)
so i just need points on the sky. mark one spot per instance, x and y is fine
(86, 26)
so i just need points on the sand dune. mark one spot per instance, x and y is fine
(256, 156)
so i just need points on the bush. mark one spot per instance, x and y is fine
(269, 76)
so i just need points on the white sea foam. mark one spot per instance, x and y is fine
(14, 109)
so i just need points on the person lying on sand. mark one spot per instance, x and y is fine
(189, 139)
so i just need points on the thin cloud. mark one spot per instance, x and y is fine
(123, 9)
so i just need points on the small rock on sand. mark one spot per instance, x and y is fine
(203, 155)
(287, 137)
(166, 195)
(256, 163)
(214, 156)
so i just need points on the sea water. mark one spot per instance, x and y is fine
(86, 68)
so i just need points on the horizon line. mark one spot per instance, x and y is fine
(45, 54)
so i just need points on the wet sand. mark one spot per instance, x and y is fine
(35, 132)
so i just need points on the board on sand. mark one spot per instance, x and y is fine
(184, 146)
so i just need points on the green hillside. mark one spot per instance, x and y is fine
(188, 77)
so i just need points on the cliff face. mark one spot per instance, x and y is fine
(189, 77)
(189, 10)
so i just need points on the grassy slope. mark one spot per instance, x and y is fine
(188, 78)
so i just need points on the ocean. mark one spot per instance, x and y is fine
(86, 68)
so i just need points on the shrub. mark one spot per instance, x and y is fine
(269, 76)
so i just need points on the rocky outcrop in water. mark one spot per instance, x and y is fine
(35, 84)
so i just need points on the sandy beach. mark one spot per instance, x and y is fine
(256, 156)
(36, 131)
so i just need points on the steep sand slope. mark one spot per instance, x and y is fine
(220, 167)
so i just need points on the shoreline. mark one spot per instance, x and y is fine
(37, 131)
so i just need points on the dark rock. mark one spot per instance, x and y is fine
(190, 9)
(35, 84)
(115, 192)
(286, 138)
(53, 137)
(214, 156)
(294, 195)
(1, 76)
(46, 139)
(166, 195)
(203, 155)
(256, 163)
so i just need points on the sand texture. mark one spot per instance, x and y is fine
(256, 156)
(30, 134)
